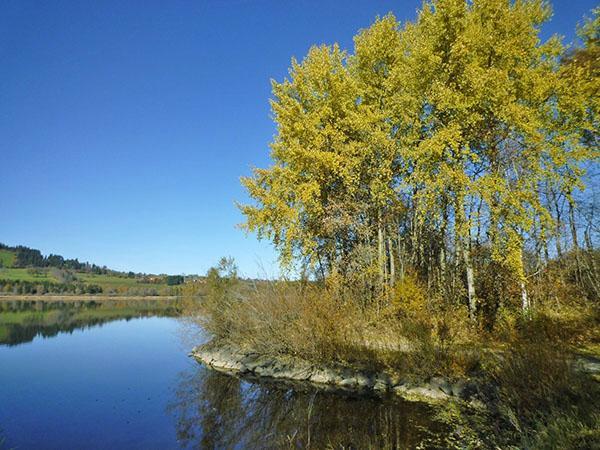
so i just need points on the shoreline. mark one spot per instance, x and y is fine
(251, 365)
(78, 298)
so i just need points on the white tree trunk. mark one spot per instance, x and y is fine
(524, 298)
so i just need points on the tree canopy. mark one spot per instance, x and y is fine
(438, 146)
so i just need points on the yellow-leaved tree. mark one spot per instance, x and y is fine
(435, 145)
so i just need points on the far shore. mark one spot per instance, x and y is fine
(78, 298)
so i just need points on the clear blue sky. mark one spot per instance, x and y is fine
(125, 125)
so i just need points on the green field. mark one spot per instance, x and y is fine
(25, 275)
(7, 258)
(112, 281)
(107, 282)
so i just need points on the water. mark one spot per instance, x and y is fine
(81, 375)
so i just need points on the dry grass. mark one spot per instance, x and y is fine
(544, 400)
(408, 331)
(314, 323)
(534, 399)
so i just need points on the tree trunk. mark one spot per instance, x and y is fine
(572, 224)
(380, 251)
(442, 254)
(463, 240)
(478, 233)
(470, 282)
(559, 226)
(400, 254)
(524, 298)
(392, 262)
(575, 240)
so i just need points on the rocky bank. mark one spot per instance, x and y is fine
(250, 364)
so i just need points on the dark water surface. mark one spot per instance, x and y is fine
(117, 375)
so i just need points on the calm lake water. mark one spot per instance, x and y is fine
(117, 375)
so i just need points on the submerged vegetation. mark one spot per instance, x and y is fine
(429, 189)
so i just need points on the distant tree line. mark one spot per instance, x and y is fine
(173, 280)
(47, 287)
(41, 287)
(30, 257)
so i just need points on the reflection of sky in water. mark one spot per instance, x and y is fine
(97, 388)
(130, 384)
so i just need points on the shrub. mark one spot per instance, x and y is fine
(315, 322)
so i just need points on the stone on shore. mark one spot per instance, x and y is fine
(239, 362)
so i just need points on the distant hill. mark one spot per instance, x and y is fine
(22, 256)
(25, 270)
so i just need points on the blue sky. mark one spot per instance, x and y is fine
(125, 125)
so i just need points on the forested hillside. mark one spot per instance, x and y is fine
(21, 256)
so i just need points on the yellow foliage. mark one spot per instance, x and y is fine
(458, 123)
(409, 296)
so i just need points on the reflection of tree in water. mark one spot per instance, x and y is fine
(214, 410)
(24, 320)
